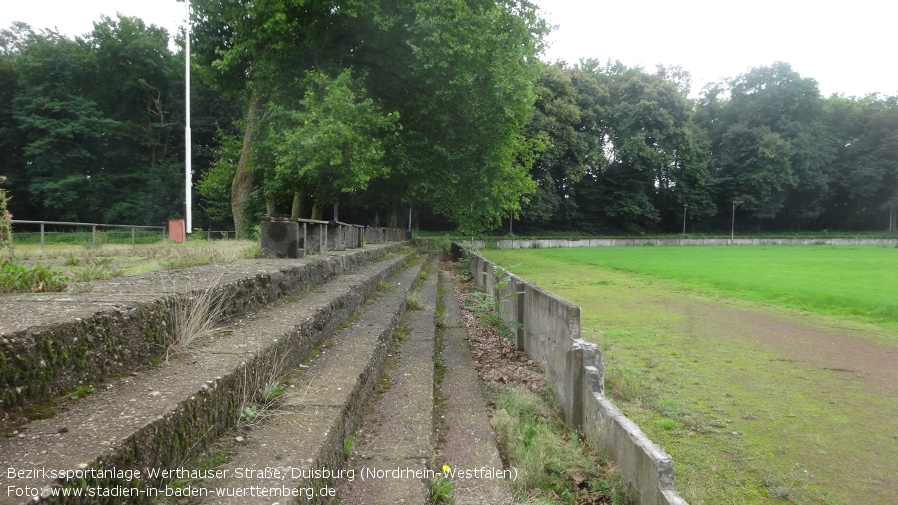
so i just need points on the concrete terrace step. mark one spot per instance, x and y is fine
(298, 451)
(394, 448)
(51, 343)
(157, 418)
(469, 441)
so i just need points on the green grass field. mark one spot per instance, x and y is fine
(747, 417)
(859, 281)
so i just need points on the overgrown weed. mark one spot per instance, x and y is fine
(93, 268)
(18, 278)
(263, 389)
(551, 460)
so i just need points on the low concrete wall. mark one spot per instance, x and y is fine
(630, 242)
(549, 332)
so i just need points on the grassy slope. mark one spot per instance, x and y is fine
(745, 423)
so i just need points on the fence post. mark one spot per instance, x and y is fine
(42, 238)
(93, 233)
(132, 236)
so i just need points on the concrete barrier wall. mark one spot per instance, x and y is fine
(548, 330)
(294, 238)
(627, 242)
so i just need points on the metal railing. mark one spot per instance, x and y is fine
(93, 227)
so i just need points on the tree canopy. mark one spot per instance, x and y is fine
(441, 107)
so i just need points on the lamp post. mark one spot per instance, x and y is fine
(188, 165)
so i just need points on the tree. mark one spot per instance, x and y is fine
(64, 131)
(258, 51)
(769, 144)
(755, 170)
(656, 162)
(332, 143)
(459, 73)
(568, 118)
(466, 93)
(12, 41)
(864, 170)
(139, 85)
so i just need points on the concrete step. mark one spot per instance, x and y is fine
(393, 452)
(470, 446)
(297, 452)
(51, 343)
(156, 419)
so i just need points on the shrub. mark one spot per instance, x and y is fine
(18, 278)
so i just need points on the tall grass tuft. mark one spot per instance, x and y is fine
(194, 315)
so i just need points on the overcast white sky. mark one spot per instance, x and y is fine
(849, 49)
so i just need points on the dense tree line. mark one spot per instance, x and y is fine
(628, 151)
(303, 107)
(92, 126)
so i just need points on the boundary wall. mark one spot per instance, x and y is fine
(629, 242)
(548, 330)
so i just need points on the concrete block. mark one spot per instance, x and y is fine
(280, 239)
(335, 240)
(316, 238)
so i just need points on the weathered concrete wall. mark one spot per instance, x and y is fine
(626, 242)
(548, 329)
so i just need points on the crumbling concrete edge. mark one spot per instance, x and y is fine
(549, 332)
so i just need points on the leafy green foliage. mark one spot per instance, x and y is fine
(440, 106)
(215, 184)
(440, 490)
(459, 74)
(18, 278)
(331, 143)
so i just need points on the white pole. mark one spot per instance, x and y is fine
(684, 219)
(188, 168)
(733, 223)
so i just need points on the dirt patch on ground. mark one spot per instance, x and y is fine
(495, 358)
(802, 337)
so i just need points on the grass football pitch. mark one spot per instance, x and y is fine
(769, 373)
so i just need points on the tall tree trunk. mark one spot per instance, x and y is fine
(271, 205)
(317, 211)
(393, 218)
(244, 178)
(296, 210)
